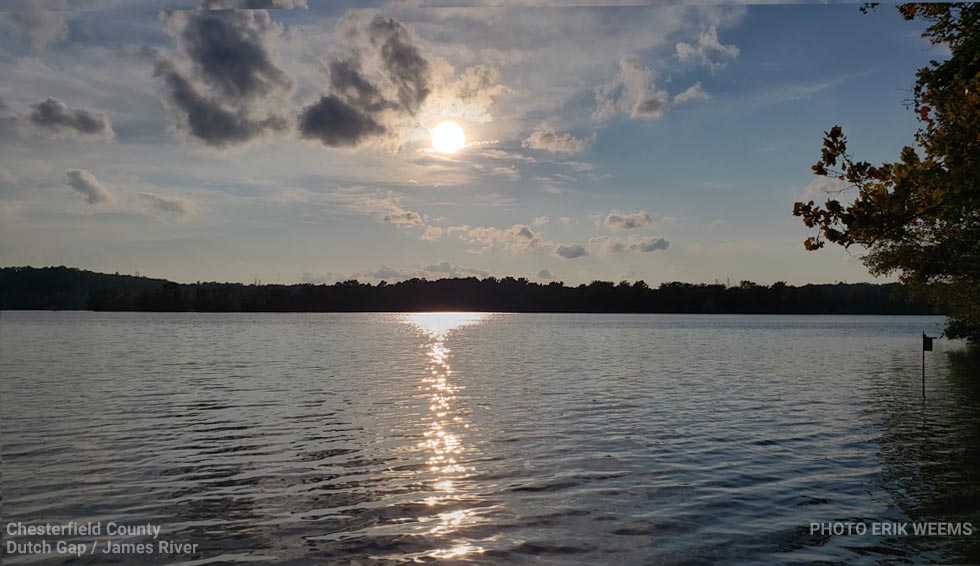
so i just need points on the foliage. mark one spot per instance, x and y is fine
(64, 287)
(70, 288)
(919, 216)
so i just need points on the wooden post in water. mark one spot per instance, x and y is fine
(926, 347)
(923, 374)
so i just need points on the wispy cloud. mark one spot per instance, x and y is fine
(630, 244)
(632, 92)
(631, 221)
(707, 50)
(52, 118)
(180, 207)
(695, 92)
(545, 138)
(86, 184)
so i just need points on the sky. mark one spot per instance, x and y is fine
(210, 140)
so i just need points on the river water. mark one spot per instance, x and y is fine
(468, 438)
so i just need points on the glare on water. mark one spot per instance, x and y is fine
(446, 427)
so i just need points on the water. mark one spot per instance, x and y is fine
(488, 439)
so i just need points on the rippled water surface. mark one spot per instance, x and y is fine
(492, 439)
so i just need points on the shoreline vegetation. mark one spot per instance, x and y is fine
(65, 288)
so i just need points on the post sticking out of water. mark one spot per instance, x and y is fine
(926, 347)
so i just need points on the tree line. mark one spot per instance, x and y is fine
(918, 217)
(69, 288)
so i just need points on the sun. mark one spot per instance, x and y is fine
(447, 137)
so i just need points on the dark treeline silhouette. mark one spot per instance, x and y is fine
(63, 287)
(69, 288)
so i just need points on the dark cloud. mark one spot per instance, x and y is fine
(336, 123)
(208, 120)
(545, 274)
(348, 82)
(230, 51)
(349, 116)
(53, 118)
(403, 61)
(357, 109)
(230, 89)
(571, 251)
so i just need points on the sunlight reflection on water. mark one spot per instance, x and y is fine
(445, 424)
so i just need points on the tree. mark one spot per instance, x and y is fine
(919, 217)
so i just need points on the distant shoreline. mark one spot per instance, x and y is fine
(481, 312)
(63, 288)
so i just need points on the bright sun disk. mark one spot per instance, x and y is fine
(447, 137)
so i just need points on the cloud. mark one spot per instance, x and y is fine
(631, 244)
(389, 211)
(223, 86)
(42, 26)
(386, 272)
(545, 274)
(178, 206)
(545, 138)
(540, 221)
(823, 186)
(231, 51)
(571, 251)
(336, 123)
(447, 269)
(565, 219)
(695, 92)
(518, 239)
(705, 49)
(468, 97)
(631, 221)
(357, 106)
(52, 118)
(382, 86)
(431, 234)
(632, 92)
(91, 188)
(254, 4)
(406, 67)
(441, 270)
(442, 267)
